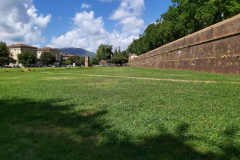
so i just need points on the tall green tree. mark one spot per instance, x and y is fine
(228, 8)
(47, 58)
(27, 57)
(5, 57)
(104, 52)
(115, 52)
(124, 54)
(94, 61)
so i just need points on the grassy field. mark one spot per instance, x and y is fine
(118, 113)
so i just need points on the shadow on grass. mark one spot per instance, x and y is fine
(45, 130)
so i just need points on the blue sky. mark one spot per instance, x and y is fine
(77, 23)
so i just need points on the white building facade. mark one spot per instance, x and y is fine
(55, 52)
(17, 49)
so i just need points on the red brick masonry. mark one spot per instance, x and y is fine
(215, 49)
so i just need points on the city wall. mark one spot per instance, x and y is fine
(215, 49)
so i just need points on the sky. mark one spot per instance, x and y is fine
(77, 23)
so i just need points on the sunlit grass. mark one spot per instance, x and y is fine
(65, 114)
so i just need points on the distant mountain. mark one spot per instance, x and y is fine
(78, 52)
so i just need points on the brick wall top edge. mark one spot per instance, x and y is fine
(227, 21)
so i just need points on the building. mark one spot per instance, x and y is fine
(66, 56)
(17, 49)
(55, 52)
(132, 56)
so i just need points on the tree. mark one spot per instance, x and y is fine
(5, 56)
(27, 57)
(94, 61)
(228, 8)
(124, 54)
(118, 60)
(115, 53)
(77, 60)
(104, 52)
(68, 62)
(80, 61)
(47, 58)
(119, 50)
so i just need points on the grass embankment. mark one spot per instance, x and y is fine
(66, 114)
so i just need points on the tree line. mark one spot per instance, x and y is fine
(104, 52)
(74, 59)
(183, 17)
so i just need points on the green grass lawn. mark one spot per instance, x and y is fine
(61, 113)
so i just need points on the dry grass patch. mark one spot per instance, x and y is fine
(64, 73)
(88, 113)
(156, 79)
(11, 78)
(57, 78)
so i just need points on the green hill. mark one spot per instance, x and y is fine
(78, 52)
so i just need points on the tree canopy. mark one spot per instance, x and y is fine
(27, 57)
(77, 60)
(94, 61)
(118, 60)
(104, 52)
(47, 58)
(5, 56)
(183, 17)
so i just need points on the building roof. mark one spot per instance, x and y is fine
(47, 49)
(133, 55)
(21, 46)
(68, 55)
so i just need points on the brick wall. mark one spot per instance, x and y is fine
(215, 49)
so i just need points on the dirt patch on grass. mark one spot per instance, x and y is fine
(177, 75)
(176, 80)
(11, 78)
(57, 78)
(156, 79)
(88, 113)
(64, 73)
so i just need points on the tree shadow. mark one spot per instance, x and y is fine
(50, 130)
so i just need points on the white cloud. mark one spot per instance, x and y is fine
(128, 14)
(19, 22)
(89, 33)
(36, 45)
(86, 5)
